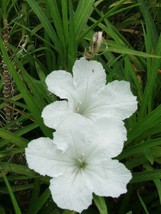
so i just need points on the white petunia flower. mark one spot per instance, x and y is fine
(79, 160)
(85, 93)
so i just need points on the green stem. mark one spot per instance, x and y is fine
(101, 204)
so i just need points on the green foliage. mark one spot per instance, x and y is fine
(101, 205)
(48, 35)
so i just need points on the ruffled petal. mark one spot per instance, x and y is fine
(115, 99)
(43, 157)
(61, 84)
(73, 133)
(110, 133)
(56, 112)
(107, 177)
(89, 76)
(120, 99)
(79, 132)
(70, 191)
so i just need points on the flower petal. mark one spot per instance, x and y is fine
(55, 112)
(61, 84)
(72, 133)
(43, 157)
(89, 76)
(107, 177)
(70, 191)
(120, 99)
(109, 133)
(115, 99)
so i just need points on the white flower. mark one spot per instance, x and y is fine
(79, 160)
(85, 93)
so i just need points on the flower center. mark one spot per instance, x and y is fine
(81, 162)
(82, 109)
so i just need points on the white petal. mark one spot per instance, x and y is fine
(55, 112)
(89, 76)
(73, 133)
(107, 177)
(119, 99)
(43, 157)
(61, 83)
(70, 192)
(115, 99)
(109, 133)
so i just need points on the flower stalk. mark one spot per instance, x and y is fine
(9, 113)
(6, 77)
(101, 205)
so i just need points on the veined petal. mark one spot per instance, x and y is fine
(115, 99)
(82, 166)
(79, 132)
(43, 157)
(61, 84)
(73, 133)
(89, 76)
(119, 99)
(107, 177)
(70, 191)
(109, 133)
(55, 112)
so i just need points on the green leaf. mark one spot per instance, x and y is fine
(16, 168)
(101, 205)
(146, 176)
(146, 127)
(157, 182)
(118, 48)
(139, 148)
(72, 50)
(45, 22)
(39, 202)
(142, 203)
(69, 212)
(13, 138)
(30, 101)
(2, 211)
(82, 14)
(14, 201)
